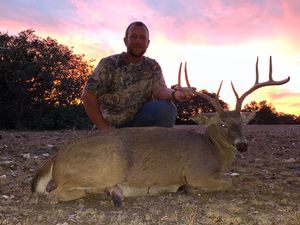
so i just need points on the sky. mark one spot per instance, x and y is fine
(219, 39)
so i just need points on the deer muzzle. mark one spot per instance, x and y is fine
(241, 146)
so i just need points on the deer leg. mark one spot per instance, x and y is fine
(209, 183)
(130, 191)
(65, 193)
(156, 190)
(116, 194)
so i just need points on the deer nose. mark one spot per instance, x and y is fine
(241, 146)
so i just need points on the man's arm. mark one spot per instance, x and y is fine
(93, 111)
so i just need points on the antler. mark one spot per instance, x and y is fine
(178, 85)
(214, 101)
(239, 100)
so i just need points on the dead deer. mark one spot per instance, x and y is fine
(149, 161)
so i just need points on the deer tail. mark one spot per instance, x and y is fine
(43, 177)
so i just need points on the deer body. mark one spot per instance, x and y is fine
(148, 161)
(141, 161)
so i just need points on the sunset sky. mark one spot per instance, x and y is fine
(220, 39)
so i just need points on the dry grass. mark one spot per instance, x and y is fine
(267, 191)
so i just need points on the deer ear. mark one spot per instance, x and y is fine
(204, 118)
(247, 116)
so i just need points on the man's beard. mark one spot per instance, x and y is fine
(136, 53)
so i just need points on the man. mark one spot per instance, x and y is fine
(129, 89)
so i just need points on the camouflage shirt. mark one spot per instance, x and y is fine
(122, 87)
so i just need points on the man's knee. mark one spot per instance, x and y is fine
(159, 113)
(166, 113)
(167, 108)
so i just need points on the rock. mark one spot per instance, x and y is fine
(290, 160)
(5, 163)
(234, 174)
(3, 146)
(5, 196)
(26, 156)
(8, 197)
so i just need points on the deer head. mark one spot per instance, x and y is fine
(225, 127)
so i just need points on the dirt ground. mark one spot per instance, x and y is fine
(266, 186)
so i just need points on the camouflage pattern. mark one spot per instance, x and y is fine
(122, 88)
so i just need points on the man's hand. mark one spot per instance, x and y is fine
(183, 94)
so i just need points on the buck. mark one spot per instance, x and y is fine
(149, 161)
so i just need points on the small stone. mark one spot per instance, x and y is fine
(8, 197)
(290, 160)
(5, 163)
(234, 174)
(5, 196)
(26, 156)
(3, 146)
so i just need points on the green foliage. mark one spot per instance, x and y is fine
(38, 74)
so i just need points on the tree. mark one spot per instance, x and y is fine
(287, 119)
(267, 114)
(196, 105)
(37, 73)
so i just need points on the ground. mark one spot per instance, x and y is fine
(266, 186)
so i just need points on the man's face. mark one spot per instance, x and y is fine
(137, 41)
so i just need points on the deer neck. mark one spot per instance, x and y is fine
(225, 151)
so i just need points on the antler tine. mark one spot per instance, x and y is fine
(270, 69)
(186, 76)
(256, 71)
(217, 96)
(179, 77)
(257, 85)
(178, 85)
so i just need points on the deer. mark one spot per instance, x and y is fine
(144, 161)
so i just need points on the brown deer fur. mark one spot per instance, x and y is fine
(145, 161)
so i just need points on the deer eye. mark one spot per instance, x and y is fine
(223, 125)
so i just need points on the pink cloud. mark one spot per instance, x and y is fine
(283, 94)
(113, 15)
(226, 24)
(213, 22)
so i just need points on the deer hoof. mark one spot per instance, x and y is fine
(117, 200)
(182, 190)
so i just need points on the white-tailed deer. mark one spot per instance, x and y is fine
(148, 161)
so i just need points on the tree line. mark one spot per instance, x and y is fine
(41, 83)
(265, 112)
